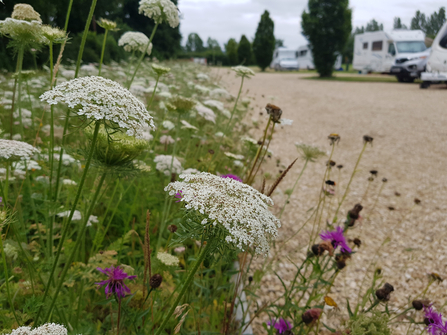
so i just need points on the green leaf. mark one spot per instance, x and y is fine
(349, 308)
(332, 330)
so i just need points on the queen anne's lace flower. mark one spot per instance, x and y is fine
(102, 99)
(53, 34)
(160, 70)
(168, 259)
(46, 329)
(23, 11)
(163, 164)
(22, 30)
(243, 71)
(106, 24)
(160, 11)
(15, 150)
(134, 41)
(242, 210)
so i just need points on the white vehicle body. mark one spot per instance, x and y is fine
(306, 59)
(284, 59)
(401, 52)
(437, 62)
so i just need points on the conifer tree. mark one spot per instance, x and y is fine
(264, 43)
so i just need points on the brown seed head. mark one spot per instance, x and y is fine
(374, 172)
(384, 180)
(274, 111)
(388, 287)
(417, 201)
(339, 166)
(311, 315)
(330, 163)
(333, 138)
(172, 228)
(155, 281)
(397, 194)
(382, 295)
(357, 242)
(367, 139)
(419, 304)
(211, 151)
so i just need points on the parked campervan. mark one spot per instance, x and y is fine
(306, 59)
(284, 59)
(400, 52)
(437, 61)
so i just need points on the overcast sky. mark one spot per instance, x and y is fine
(223, 19)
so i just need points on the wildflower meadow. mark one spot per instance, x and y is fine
(136, 198)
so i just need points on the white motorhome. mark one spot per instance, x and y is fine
(399, 52)
(284, 59)
(306, 59)
(437, 61)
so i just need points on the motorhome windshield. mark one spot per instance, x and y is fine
(411, 47)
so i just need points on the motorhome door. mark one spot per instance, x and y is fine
(389, 57)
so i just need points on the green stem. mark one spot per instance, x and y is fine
(78, 242)
(188, 281)
(102, 51)
(349, 183)
(377, 199)
(259, 150)
(70, 217)
(153, 93)
(234, 107)
(264, 154)
(6, 188)
(67, 18)
(5, 269)
(142, 55)
(293, 188)
(84, 36)
(19, 88)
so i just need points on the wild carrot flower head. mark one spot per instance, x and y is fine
(23, 11)
(160, 11)
(22, 32)
(433, 320)
(160, 70)
(240, 209)
(337, 239)
(100, 99)
(243, 71)
(182, 104)
(232, 176)
(115, 283)
(281, 326)
(52, 34)
(163, 164)
(45, 329)
(308, 152)
(107, 24)
(16, 150)
(134, 41)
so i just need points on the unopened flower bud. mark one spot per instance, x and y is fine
(417, 305)
(155, 281)
(357, 242)
(417, 201)
(311, 315)
(382, 295)
(367, 139)
(250, 279)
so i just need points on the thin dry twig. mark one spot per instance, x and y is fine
(263, 186)
(281, 177)
(58, 62)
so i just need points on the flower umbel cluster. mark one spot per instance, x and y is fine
(115, 283)
(100, 99)
(243, 71)
(134, 41)
(160, 11)
(46, 329)
(164, 164)
(167, 259)
(16, 150)
(23, 11)
(239, 208)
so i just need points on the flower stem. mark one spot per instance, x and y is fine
(84, 36)
(77, 244)
(68, 221)
(265, 153)
(67, 18)
(188, 281)
(19, 87)
(119, 317)
(153, 93)
(5, 269)
(349, 183)
(142, 55)
(234, 107)
(293, 188)
(259, 151)
(102, 51)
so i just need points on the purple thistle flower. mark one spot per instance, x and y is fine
(179, 196)
(281, 326)
(337, 239)
(434, 323)
(232, 176)
(115, 283)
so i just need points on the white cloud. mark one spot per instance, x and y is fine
(225, 19)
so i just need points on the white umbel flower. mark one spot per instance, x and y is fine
(160, 11)
(15, 150)
(243, 71)
(242, 210)
(134, 41)
(163, 164)
(167, 259)
(46, 329)
(101, 99)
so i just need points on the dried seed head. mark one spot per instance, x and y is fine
(397, 194)
(317, 250)
(357, 242)
(367, 139)
(330, 182)
(391, 208)
(371, 179)
(417, 201)
(339, 166)
(311, 315)
(384, 180)
(333, 138)
(211, 152)
(419, 304)
(341, 264)
(382, 295)
(172, 228)
(250, 279)
(374, 172)
(274, 111)
(330, 163)
(155, 281)
(388, 287)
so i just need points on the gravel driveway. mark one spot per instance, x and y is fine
(409, 127)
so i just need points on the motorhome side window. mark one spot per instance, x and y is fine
(443, 42)
(365, 46)
(392, 49)
(377, 46)
(303, 53)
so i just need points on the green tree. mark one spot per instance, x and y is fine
(244, 52)
(279, 43)
(418, 22)
(231, 50)
(264, 43)
(327, 26)
(373, 25)
(194, 43)
(398, 24)
(429, 24)
(212, 44)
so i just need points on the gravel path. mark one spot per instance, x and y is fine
(409, 149)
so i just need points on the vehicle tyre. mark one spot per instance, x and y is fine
(425, 85)
(403, 79)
